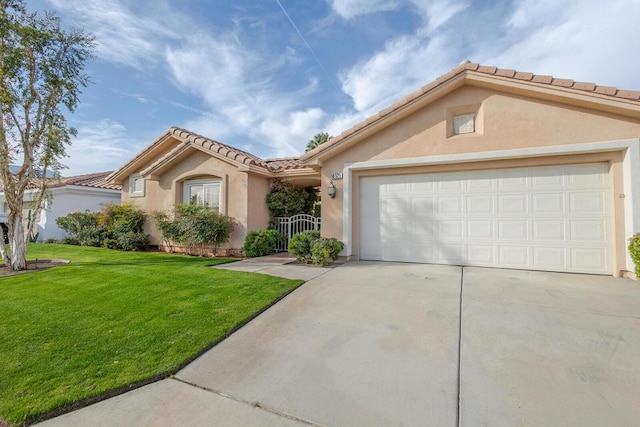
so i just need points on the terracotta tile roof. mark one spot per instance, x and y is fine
(285, 163)
(218, 147)
(188, 138)
(93, 180)
(482, 69)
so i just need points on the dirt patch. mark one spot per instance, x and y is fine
(33, 266)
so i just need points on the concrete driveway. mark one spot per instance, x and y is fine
(407, 344)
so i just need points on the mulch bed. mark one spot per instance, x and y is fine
(33, 266)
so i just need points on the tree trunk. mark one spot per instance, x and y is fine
(18, 245)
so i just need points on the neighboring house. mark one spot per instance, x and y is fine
(490, 167)
(181, 166)
(482, 167)
(76, 193)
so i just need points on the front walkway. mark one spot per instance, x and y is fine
(281, 265)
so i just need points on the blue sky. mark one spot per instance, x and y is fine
(265, 76)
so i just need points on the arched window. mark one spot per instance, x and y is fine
(205, 192)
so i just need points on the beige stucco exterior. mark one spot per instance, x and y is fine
(520, 120)
(505, 123)
(179, 156)
(162, 193)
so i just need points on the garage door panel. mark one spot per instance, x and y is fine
(395, 207)
(481, 204)
(396, 252)
(450, 182)
(547, 203)
(553, 230)
(587, 175)
(589, 259)
(451, 253)
(450, 229)
(547, 218)
(480, 229)
(549, 258)
(513, 256)
(513, 179)
(422, 206)
(549, 178)
(422, 229)
(513, 204)
(513, 230)
(588, 202)
(588, 231)
(481, 254)
(449, 205)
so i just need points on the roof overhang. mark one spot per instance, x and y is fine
(599, 100)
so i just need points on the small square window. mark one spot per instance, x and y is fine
(136, 185)
(464, 123)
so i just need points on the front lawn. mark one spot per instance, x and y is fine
(111, 319)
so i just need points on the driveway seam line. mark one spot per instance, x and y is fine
(460, 344)
(247, 402)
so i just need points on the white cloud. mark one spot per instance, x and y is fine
(438, 13)
(580, 40)
(351, 8)
(577, 39)
(405, 64)
(235, 82)
(100, 146)
(121, 36)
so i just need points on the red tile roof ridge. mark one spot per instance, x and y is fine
(231, 152)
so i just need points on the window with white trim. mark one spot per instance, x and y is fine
(205, 192)
(136, 185)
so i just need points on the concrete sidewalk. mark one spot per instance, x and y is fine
(379, 344)
(281, 265)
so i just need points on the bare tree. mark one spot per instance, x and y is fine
(41, 77)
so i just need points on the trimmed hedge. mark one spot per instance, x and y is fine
(308, 246)
(261, 242)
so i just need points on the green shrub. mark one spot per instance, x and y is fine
(51, 240)
(132, 241)
(122, 218)
(285, 200)
(324, 250)
(194, 227)
(83, 228)
(261, 242)
(110, 243)
(634, 251)
(115, 227)
(300, 245)
(168, 228)
(70, 241)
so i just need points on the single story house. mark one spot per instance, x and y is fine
(484, 166)
(75, 193)
(181, 166)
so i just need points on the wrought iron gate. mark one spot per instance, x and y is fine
(292, 225)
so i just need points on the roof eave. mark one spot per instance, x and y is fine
(151, 150)
(397, 111)
(456, 79)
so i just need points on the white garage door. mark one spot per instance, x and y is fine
(553, 218)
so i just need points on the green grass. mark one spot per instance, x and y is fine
(110, 319)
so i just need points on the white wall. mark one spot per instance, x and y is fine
(71, 199)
